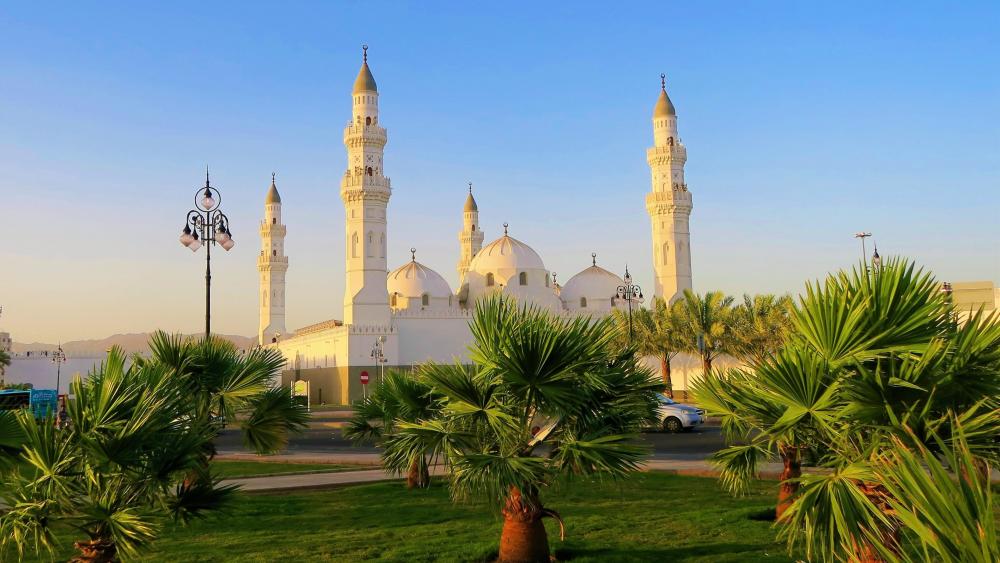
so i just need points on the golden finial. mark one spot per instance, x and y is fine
(364, 51)
(470, 187)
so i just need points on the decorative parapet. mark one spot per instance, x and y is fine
(355, 135)
(659, 203)
(370, 329)
(664, 155)
(318, 327)
(451, 313)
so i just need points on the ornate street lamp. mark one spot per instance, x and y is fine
(206, 226)
(379, 357)
(629, 292)
(58, 358)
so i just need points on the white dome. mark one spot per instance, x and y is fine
(593, 283)
(506, 253)
(414, 280)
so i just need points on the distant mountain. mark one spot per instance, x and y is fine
(136, 342)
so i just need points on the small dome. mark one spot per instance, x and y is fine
(595, 284)
(664, 107)
(413, 280)
(506, 253)
(365, 82)
(272, 194)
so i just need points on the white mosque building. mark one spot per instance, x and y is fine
(411, 314)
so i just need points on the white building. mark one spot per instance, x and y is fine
(412, 310)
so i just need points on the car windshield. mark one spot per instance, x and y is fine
(665, 399)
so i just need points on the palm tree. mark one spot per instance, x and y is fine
(116, 473)
(223, 385)
(545, 399)
(707, 323)
(775, 409)
(657, 332)
(761, 325)
(400, 397)
(873, 360)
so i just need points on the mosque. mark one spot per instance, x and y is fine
(409, 315)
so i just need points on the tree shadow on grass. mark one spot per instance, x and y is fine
(745, 552)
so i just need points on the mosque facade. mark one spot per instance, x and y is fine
(402, 317)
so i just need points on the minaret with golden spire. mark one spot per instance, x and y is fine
(470, 237)
(669, 203)
(365, 191)
(272, 265)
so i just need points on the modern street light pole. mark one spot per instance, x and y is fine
(207, 225)
(629, 292)
(864, 255)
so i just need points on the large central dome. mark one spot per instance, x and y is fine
(506, 253)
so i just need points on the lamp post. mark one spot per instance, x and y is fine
(864, 255)
(206, 225)
(58, 358)
(379, 357)
(629, 292)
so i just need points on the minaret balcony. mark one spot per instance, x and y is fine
(663, 155)
(272, 229)
(364, 181)
(659, 203)
(364, 133)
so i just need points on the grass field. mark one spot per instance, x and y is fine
(653, 517)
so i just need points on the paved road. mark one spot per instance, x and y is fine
(686, 446)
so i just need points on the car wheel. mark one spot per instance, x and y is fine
(672, 424)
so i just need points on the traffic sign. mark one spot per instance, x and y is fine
(364, 378)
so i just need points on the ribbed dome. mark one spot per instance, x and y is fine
(272, 194)
(414, 279)
(365, 81)
(506, 253)
(664, 107)
(470, 203)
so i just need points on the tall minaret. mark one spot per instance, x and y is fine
(272, 265)
(365, 191)
(471, 237)
(669, 203)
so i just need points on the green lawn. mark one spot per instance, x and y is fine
(653, 517)
(229, 469)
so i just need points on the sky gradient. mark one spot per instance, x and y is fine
(803, 123)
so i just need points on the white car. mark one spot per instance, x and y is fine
(675, 417)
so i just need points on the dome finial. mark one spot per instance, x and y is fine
(470, 188)
(272, 178)
(663, 82)
(505, 229)
(593, 257)
(413, 254)
(364, 53)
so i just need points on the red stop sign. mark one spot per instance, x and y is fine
(364, 378)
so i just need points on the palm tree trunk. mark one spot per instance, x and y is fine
(665, 373)
(792, 470)
(418, 477)
(706, 364)
(100, 550)
(864, 552)
(523, 539)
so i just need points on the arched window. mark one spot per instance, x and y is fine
(392, 300)
(490, 281)
(583, 302)
(450, 300)
(274, 253)
(547, 279)
(368, 121)
(425, 300)
(473, 227)
(274, 220)
(522, 278)
(354, 245)
(368, 170)
(666, 253)
(370, 252)
(381, 244)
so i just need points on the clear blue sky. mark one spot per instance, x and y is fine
(804, 124)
